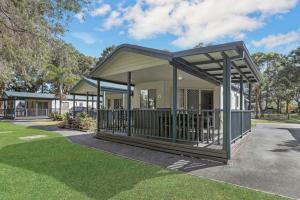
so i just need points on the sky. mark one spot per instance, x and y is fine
(264, 25)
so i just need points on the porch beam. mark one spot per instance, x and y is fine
(212, 58)
(233, 73)
(219, 69)
(189, 68)
(109, 81)
(239, 71)
(211, 61)
(227, 107)
(129, 104)
(174, 106)
(98, 106)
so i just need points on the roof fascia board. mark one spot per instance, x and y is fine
(135, 49)
(209, 49)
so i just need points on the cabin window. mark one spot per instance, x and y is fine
(108, 104)
(148, 99)
(236, 101)
(193, 99)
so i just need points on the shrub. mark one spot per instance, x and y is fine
(81, 121)
(56, 116)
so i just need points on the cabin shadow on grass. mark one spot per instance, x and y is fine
(96, 174)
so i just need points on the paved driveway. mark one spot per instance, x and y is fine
(268, 160)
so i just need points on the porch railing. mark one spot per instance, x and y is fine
(196, 126)
(22, 112)
(240, 123)
(32, 112)
(192, 125)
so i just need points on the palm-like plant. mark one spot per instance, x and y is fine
(63, 78)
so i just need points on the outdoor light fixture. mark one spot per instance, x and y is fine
(180, 78)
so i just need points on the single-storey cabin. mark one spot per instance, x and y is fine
(112, 95)
(16, 105)
(188, 102)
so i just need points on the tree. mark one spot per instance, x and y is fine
(26, 30)
(284, 82)
(259, 59)
(61, 70)
(294, 58)
(105, 53)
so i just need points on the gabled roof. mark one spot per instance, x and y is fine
(105, 86)
(31, 95)
(207, 62)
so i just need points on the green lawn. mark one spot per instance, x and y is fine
(54, 168)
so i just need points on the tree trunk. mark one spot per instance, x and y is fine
(278, 106)
(256, 108)
(262, 114)
(298, 108)
(287, 109)
(60, 97)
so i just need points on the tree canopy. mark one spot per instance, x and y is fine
(280, 85)
(28, 30)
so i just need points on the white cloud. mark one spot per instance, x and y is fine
(114, 19)
(194, 21)
(86, 37)
(102, 10)
(277, 40)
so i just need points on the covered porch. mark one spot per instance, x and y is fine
(190, 102)
(112, 96)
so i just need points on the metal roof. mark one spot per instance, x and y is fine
(105, 86)
(206, 62)
(30, 95)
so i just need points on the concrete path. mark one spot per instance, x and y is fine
(269, 159)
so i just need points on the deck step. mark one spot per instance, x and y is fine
(175, 148)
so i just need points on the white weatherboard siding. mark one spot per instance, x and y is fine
(164, 93)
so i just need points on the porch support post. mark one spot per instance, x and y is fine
(15, 108)
(73, 105)
(5, 107)
(92, 103)
(174, 106)
(129, 104)
(242, 104)
(98, 106)
(55, 105)
(26, 107)
(104, 100)
(87, 103)
(249, 103)
(241, 93)
(227, 106)
(249, 96)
